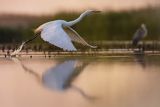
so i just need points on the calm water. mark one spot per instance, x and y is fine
(132, 81)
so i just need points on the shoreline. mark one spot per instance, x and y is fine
(85, 53)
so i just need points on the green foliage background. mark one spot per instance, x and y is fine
(105, 26)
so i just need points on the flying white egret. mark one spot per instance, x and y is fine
(60, 33)
(139, 35)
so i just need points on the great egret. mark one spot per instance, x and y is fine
(139, 35)
(60, 33)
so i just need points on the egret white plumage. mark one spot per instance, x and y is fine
(60, 33)
(139, 35)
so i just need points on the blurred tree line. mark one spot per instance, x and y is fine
(105, 26)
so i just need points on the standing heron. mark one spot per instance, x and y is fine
(139, 35)
(60, 33)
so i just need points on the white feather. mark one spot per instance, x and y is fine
(53, 33)
(74, 36)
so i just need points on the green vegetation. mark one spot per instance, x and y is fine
(106, 26)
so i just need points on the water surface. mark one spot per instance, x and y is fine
(115, 81)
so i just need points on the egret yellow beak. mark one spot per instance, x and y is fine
(96, 11)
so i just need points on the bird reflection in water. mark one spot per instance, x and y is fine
(140, 58)
(60, 76)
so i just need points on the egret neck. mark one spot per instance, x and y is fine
(86, 13)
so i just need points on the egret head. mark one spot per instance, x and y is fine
(89, 12)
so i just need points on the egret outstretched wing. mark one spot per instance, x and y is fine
(76, 37)
(54, 34)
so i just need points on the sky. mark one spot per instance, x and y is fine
(40, 7)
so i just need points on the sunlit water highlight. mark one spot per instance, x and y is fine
(131, 81)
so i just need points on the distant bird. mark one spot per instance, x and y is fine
(60, 33)
(139, 35)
